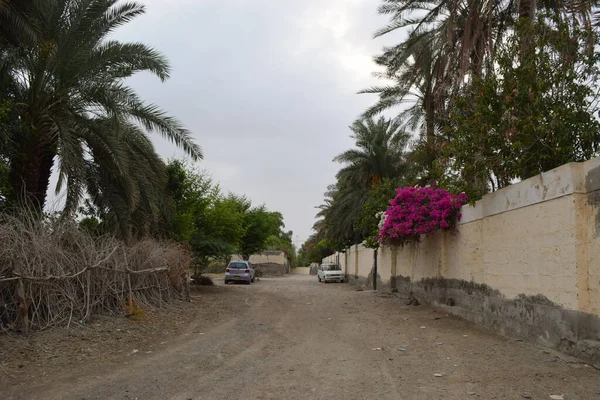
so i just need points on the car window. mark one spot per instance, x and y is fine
(332, 268)
(238, 265)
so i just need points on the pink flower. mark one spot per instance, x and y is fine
(419, 211)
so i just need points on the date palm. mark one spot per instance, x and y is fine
(380, 153)
(421, 82)
(69, 90)
(471, 29)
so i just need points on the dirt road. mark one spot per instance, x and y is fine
(293, 338)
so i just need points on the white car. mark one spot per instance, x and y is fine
(330, 273)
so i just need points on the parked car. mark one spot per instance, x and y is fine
(330, 273)
(239, 271)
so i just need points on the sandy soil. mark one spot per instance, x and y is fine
(286, 338)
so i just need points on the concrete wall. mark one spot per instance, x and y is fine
(269, 263)
(266, 257)
(536, 242)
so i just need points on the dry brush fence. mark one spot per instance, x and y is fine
(53, 274)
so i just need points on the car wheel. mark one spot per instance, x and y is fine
(319, 278)
(226, 281)
(252, 280)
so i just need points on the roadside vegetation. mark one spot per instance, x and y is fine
(132, 225)
(482, 94)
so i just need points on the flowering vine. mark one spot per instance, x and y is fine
(419, 211)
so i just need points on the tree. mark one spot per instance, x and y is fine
(422, 81)
(377, 203)
(380, 156)
(453, 51)
(379, 152)
(212, 224)
(282, 242)
(259, 225)
(538, 113)
(69, 89)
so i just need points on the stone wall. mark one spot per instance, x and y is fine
(525, 261)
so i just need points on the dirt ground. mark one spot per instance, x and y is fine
(286, 338)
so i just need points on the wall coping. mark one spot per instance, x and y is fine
(565, 180)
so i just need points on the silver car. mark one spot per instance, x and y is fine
(239, 271)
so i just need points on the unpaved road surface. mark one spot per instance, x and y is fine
(293, 338)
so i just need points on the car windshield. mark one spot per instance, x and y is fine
(331, 268)
(238, 265)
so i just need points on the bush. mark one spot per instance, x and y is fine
(419, 211)
(202, 280)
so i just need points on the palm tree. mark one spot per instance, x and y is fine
(422, 82)
(467, 31)
(379, 153)
(74, 107)
(471, 29)
(129, 202)
(14, 26)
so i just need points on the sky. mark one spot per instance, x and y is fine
(268, 89)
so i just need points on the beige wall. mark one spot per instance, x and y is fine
(267, 257)
(539, 236)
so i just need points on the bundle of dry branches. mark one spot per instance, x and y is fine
(52, 273)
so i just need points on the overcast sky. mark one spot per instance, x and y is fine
(268, 88)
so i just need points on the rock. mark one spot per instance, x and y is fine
(526, 396)
(557, 396)
(438, 375)
(440, 343)
(377, 349)
(402, 349)
(422, 327)
(471, 393)
(412, 301)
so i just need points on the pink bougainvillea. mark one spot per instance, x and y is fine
(419, 211)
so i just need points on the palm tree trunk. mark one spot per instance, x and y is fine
(430, 125)
(527, 12)
(30, 173)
